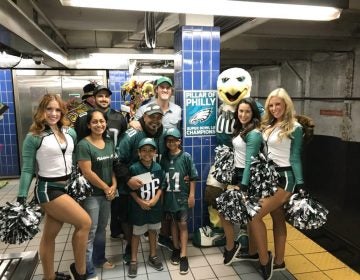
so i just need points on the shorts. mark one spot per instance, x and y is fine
(179, 216)
(287, 180)
(140, 230)
(47, 191)
(211, 194)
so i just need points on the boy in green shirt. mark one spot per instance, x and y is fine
(145, 206)
(181, 176)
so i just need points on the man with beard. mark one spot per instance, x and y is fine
(116, 122)
(127, 151)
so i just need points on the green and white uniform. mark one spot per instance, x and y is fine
(176, 168)
(286, 153)
(138, 216)
(101, 160)
(44, 153)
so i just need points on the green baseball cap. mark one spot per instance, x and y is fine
(164, 80)
(147, 141)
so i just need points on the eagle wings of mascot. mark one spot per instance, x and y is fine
(233, 85)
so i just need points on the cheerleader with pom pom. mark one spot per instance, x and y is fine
(233, 203)
(48, 148)
(283, 135)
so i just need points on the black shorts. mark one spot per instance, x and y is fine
(179, 216)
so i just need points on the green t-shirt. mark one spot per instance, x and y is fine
(177, 191)
(139, 216)
(101, 160)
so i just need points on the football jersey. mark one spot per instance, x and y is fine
(127, 148)
(139, 216)
(176, 167)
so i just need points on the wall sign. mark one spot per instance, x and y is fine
(200, 112)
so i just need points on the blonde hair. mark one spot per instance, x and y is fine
(39, 121)
(288, 122)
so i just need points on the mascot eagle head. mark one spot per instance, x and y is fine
(233, 85)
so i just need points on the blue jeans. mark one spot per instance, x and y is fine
(98, 208)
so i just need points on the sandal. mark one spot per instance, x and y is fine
(108, 265)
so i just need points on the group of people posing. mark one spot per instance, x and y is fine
(143, 182)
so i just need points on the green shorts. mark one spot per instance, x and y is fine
(46, 191)
(287, 179)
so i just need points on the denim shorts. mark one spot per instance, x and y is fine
(179, 216)
(46, 191)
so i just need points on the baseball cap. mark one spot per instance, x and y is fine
(153, 109)
(164, 80)
(147, 141)
(88, 90)
(174, 132)
(100, 88)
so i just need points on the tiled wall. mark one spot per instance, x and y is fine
(197, 67)
(9, 163)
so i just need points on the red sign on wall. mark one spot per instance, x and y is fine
(337, 113)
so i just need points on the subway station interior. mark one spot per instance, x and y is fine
(58, 46)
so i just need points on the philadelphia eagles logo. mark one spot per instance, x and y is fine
(200, 116)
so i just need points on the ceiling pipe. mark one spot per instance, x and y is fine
(49, 22)
(242, 28)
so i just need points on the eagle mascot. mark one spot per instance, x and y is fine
(233, 85)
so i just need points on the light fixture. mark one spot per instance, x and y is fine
(8, 60)
(216, 7)
(150, 70)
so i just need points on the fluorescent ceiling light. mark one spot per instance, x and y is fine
(155, 71)
(215, 7)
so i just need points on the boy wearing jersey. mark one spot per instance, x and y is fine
(145, 206)
(181, 176)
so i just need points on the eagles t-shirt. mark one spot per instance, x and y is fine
(176, 167)
(101, 160)
(139, 216)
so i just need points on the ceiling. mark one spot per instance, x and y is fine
(52, 34)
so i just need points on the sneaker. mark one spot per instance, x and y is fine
(243, 240)
(209, 237)
(75, 275)
(229, 256)
(279, 267)
(175, 257)
(155, 263)
(166, 242)
(184, 265)
(62, 276)
(244, 256)
(132, 272)
(267, 270)
(93, 278)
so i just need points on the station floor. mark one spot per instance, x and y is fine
(305, 260)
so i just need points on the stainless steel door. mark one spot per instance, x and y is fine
(31, 85)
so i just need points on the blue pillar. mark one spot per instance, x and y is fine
(9, 154)
(197, 66)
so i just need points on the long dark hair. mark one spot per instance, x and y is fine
(254, 122)
(89, 117)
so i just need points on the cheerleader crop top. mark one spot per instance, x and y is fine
(45, 152)
(245, 150)
(287, 151)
